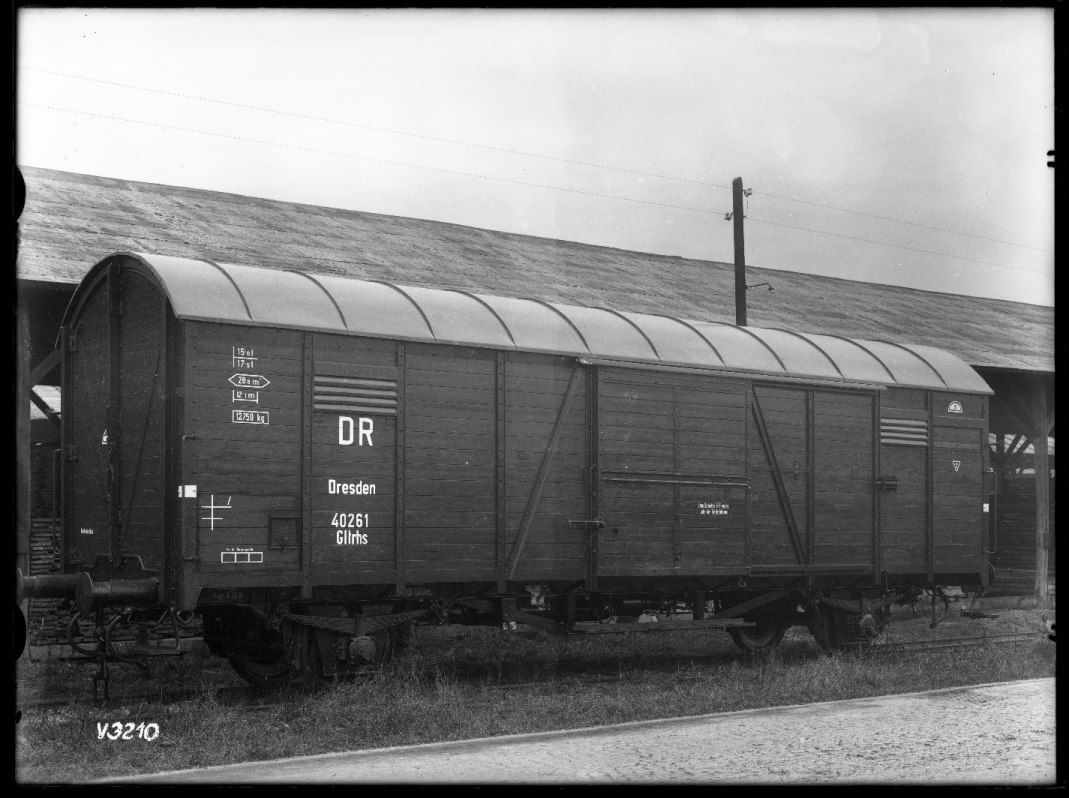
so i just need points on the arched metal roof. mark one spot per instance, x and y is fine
(223, 292)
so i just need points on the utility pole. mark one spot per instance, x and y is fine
(740, 253)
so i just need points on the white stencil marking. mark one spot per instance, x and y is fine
(211, 507)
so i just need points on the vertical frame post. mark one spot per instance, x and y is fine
(399, 474)
(877, 509)
(747, 400)
(65, 373)
(307, 411)
(810, 475)
(986, 508)
(500, 486)
(677, 521)
(929, 491)
(171, 528)
(115, 412)
(593, 447)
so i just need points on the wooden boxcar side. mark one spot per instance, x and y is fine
(289, 452)
(366, 462)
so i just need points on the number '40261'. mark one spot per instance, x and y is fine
(128, 731)
(349, 520)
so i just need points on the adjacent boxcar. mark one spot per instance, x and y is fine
(315, 462)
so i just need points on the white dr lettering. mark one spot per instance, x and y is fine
(345, 431)
(366, 428)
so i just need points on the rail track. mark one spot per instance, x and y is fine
(789, 653)
(954, 642)
(568, 673)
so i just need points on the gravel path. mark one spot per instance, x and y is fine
(999, 733)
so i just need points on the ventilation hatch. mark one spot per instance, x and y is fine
(355, 395)
(904, 432)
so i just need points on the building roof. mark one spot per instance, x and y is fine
(250, 295)
(71, 221)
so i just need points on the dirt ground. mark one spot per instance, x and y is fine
(994, 734)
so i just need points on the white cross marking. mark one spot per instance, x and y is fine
(211, 507)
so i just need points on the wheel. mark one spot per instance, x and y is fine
(269, 674)
(297, 664)
(822, 627)
(763, 637)
(836, 629)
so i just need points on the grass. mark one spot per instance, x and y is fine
(449, 686)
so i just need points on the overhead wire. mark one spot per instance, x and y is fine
(514, 181)
(362, 157)
(377, 129)
(524, 153)
(899, 221)
(890, 244)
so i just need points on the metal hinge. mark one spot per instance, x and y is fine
(72, 342)
(72, 452)
(889, 484)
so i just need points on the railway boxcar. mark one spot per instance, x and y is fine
(316, 462)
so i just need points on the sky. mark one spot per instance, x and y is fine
(900, 146)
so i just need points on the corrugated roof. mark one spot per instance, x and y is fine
(240, 294)
(71, 221)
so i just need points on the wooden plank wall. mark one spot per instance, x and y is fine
(637, 436)
(668, 442)
(843, 465)
(711, 441)
(958, 491)
(1015, 537)
(142, 381)
(535, 388)
(903, 511)
(87, 418)
(45, 623)
(367, 553)
(450, 531)
(44, 494)
(784, 411)
(822, 442)
(675, 453)
(255, 467)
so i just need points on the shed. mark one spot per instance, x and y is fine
(70, 221)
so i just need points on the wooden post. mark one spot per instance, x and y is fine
(740, 252)
(22, 443)
(1042, 467)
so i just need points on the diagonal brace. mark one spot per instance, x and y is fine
(777, 480)
(543, 470)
